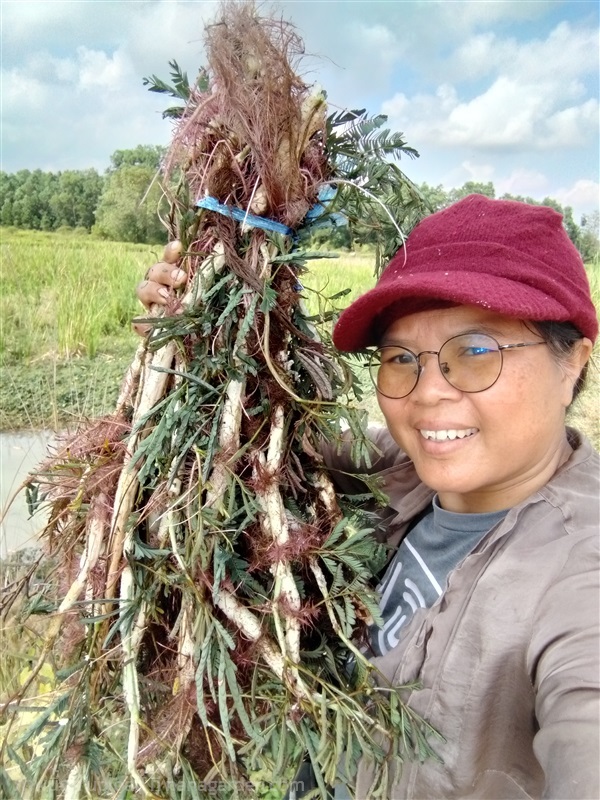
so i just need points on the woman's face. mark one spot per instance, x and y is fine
(509, 438)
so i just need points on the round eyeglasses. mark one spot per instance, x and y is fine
(471, 362)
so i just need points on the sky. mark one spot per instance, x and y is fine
(494, 90)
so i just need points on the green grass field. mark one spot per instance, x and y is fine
(66, 303)
(65, 295)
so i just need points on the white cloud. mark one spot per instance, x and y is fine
(167, 30)
(502, 116)
(566, 52)
(25, 18)
(468, 16)
(533, 97)
(21, 92)
(98, 69)
(75, 94)
(375, 43)
(583, 195)
(573, 126)
(523, 182)
(481, 173)
(479, 99)
(476, 57)
(511, 112)
(518, 181)
(45, 84)
(372, 51)
(426, 114)
(65, 69)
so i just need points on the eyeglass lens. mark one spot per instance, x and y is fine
(469, 362)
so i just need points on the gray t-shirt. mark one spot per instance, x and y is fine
(417, 574)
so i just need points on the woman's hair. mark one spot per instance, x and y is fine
(561, 338)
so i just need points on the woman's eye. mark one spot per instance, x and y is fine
(404, 359)
(476, 351)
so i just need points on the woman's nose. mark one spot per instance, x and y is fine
(432, 384)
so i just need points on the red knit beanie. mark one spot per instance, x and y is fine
(509, 257)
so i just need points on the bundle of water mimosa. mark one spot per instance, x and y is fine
(212, 591)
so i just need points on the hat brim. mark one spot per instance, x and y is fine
(359, 325)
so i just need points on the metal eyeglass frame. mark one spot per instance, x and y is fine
(417, 357)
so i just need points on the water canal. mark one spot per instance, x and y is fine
(20, 453)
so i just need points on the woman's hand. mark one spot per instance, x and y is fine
(159, 284)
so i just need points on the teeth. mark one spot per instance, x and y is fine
(442, 436)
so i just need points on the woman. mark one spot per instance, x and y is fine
(483, 326)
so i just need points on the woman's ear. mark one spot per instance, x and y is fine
(582, 353)
(574, 364)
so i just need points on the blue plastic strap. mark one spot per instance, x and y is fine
(318, 216)
(212, 204)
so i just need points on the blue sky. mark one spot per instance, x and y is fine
(487, 91)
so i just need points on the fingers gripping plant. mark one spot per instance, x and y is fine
(212, 588)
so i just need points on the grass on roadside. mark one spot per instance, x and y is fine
(53, 393)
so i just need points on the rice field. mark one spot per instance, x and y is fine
(64, 296)
(66, 303)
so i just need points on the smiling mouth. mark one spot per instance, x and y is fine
(442, 436)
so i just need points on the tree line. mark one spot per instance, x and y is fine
(585, 236)
(125, 204)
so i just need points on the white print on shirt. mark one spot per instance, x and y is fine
(388, 636)
(415, 589)
(425, 568)
(390, 582)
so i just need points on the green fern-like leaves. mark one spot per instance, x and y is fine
(355, 140)
(378, 201)
(180, 87)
